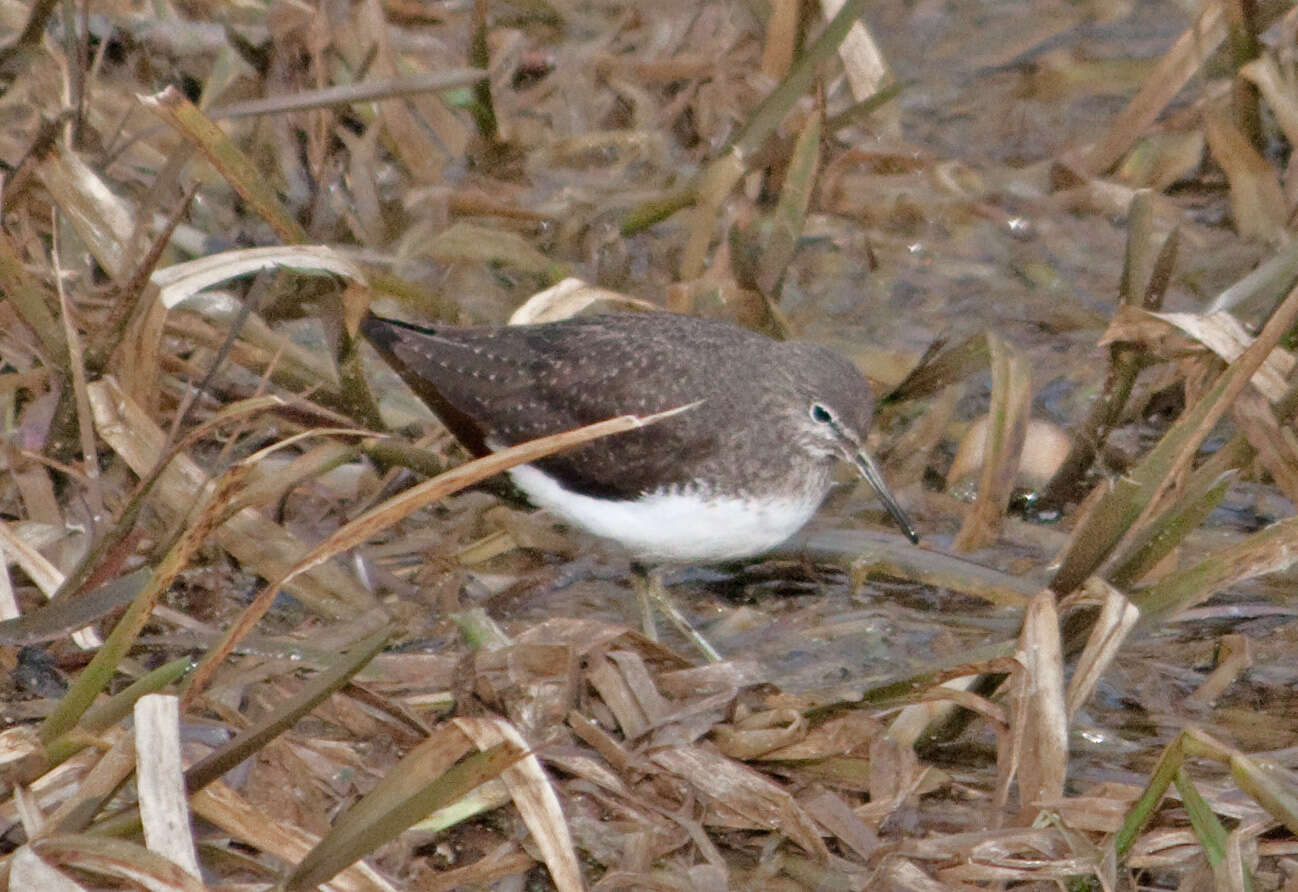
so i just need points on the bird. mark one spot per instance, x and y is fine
(741, 469)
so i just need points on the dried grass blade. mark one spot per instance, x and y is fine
(131, 298)
(1142, 810)
(571, 297)
(1124, 365)
(733, 163)
(780, 38)
(61, 617)
(1007, 426)
(859, 112)
(101, 219)
(164, 811)
(1257, 199)
(1202, 493)
(27, 296)
(28, 871)
(1275, 444)
(1136, 496)
(182, 280)
(429, 777)
(1171, 73)
(889, 554)
(1207, 828)
(790, 215)
(1268, 551)
(1039, 723)
(1274, 787)
(1277, 90)
(534, 797)
(1145, 275)
(252, 538)
(107, 713)
(1233, 874)
(713, 189)
(253, 738)
(93, 492)
(227, 158)
(261, 350)
(990, 659)
(365, 91)
(736, 788)
(1139, 258)
(1266, 284)
(222, 807)
(44, 574)
(114, 858)
(616, 693)
(774, 734)
(1117, 617)
(773, 108)
(833, 813)
(483, 244)
(863, 61)
(1235, 658)
(951, 365)
(936, 704)
(96, 676)
(267, 488)
(113, 764)
(478, 801)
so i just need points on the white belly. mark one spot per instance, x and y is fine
(675, 526)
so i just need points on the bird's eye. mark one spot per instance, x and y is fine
(821, 414)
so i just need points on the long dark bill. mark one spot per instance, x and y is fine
(870, 471)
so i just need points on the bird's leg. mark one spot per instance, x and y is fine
(653, 593)
(642, 579)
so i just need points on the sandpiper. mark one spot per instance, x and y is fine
(732, 477)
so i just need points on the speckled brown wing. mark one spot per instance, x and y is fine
(513, 384)
(407, 349)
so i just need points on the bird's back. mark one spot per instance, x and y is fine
(499, 386)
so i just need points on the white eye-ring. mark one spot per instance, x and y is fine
(821, 414)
